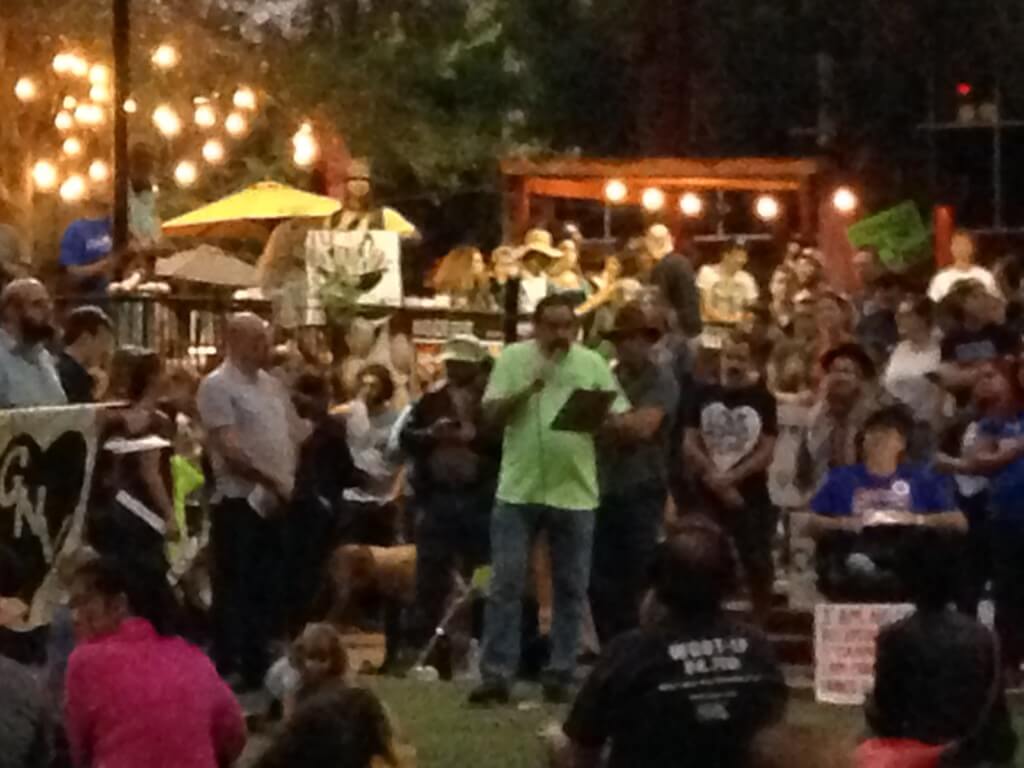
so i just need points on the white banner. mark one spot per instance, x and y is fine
(47, 457)
(844, 648)
(332, 251)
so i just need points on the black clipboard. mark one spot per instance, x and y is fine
(585, 410)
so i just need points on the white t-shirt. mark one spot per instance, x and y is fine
(905, 380)
(726, 297)
(945, 279)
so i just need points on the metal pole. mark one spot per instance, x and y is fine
(122, 90)
(997, 163)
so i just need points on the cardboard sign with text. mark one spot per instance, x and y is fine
(844, 648)
(46, 463)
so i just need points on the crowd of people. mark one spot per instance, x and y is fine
(632, 434)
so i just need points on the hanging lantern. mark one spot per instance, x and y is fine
(99, 171)
(72, 147)
(236, 125)
(73, 189)
(186, 173)
(165, 56)
(26, 90)
(244, 98)
(213, 151)
(205, 115)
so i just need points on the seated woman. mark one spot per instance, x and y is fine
(135, 697)
(873, 517)
(462, 275)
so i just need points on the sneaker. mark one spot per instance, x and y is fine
(490, 692)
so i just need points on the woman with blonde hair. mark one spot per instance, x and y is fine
(462, 275)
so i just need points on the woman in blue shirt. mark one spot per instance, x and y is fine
(870, 517)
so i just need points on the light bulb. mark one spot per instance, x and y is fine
(236, 124)
(615, 191)
(64, 121)
(72, 147)
(78, 66)
(165, 56)
(205, 116)
(767, 208)
(653, 199)
(213, 152)
(691, 205)
(44, 175)
(306, 147)
(100, 93)
(62, 63)
(845, 200)
(99, 171)
(244, 98)
(186, 173)
(25, 89)
(130, 106)
(73, 189)
(166, 121)
(70, 102)
(99, 74)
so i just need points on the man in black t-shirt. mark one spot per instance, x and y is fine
(88, 348)
(730, 437)
(694, 688)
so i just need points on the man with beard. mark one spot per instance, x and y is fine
(547, 482)
(849, 396)
(729, 443)
(27, 373)
(455, 474)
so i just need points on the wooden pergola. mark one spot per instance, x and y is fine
(586, 178)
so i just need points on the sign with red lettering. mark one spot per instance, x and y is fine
(844, 648)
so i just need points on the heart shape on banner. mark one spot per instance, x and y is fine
(39, 492)
(730, 434)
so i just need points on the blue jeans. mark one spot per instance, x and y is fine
(570, 538)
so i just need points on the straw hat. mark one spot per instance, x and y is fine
(539, 241)
(464, 348)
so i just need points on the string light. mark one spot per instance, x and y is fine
(64, 122)
(236, 124)
(165, 56)
(306, 147)
(186, 173)
(100, 93)
(73, 189)
(62, 63)
(25, 89)
(167, 121)
(44, 175)
(653, 199)
(70, 102)
(205, 115)
(78, 66)
(99, 74)
(213, 151)
(691, 205)
(845, 200)
(767, 208)
(72, 147)
(99, 171)
(245, 98)
(89, 114)
(615, 191)
(131, 106)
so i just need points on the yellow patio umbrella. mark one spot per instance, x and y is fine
(251, 213)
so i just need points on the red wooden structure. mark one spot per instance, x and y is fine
(586, 179)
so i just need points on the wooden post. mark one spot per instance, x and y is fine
(944, 219)
(122, 90)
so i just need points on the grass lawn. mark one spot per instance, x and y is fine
(448, 734)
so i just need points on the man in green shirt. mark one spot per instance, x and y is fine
(548, 482)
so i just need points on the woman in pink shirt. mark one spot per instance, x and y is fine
(136, 698)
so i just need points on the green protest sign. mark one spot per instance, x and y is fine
(897, 235)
